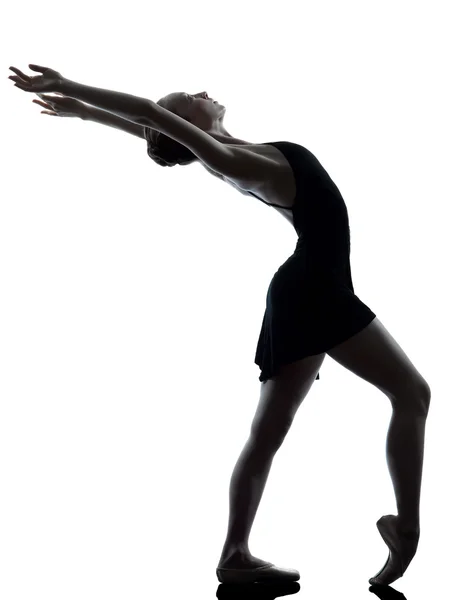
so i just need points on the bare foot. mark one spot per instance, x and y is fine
(241, 560)
(402, 548)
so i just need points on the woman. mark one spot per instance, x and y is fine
(311, 308)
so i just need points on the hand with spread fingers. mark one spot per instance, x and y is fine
(49, 81)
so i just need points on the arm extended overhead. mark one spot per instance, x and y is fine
(231, 162)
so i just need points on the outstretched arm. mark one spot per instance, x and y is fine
(127, 106)
(231, 162)
(145, 112)
(92, 113)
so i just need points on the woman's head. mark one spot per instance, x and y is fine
(198, 109)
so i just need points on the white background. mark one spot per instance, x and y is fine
(132, 296)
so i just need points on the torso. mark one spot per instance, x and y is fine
(282, 191)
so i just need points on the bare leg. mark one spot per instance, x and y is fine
(246, 488)
(405, 455)
(280, 398)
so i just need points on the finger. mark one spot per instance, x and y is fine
(17, 79)
(22, 75)
(43, 104)
(22, 87)
(38, 68)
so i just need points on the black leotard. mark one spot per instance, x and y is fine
(310, 305)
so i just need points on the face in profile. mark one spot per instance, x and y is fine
(204, 112)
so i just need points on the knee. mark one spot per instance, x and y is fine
(426, 394)
(415, 397)
(270, 437)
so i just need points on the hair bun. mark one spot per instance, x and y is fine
(165, 151)
(154, 152)
(154, 149)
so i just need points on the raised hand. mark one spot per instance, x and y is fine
(49, 81)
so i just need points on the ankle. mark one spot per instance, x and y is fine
(230, 550)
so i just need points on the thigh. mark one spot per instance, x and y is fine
(281, 396)
(375, 356)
